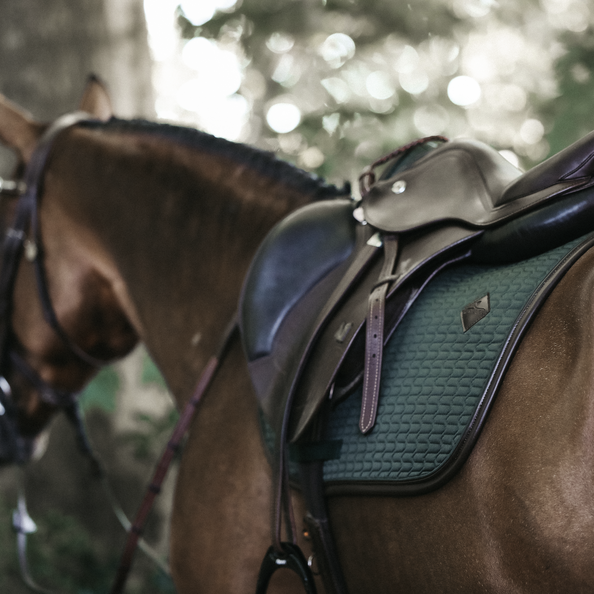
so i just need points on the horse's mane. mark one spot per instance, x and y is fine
(264, 162)
(197, 227)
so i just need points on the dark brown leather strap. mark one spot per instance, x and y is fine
(171, 449)
(281, 492)
(374, 343)
(318, 527)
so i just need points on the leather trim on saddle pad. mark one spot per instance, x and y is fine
(438, 382)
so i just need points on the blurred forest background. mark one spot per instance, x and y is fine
(330, 85)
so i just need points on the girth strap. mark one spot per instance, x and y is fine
(374, 337)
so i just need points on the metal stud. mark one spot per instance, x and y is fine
(30, 250)
(399, 186)
(359, 215)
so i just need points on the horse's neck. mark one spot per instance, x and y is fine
(181, 226)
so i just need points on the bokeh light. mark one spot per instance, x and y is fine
(379, 85)
(199, 12)
(331, 86)
(532, 131)
(464, 90)
(337, 49)
(283, 117)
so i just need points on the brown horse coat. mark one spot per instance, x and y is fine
(517, 518)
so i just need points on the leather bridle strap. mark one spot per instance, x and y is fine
(30, 200)
(26, 217)
(15, 243)
(172, 447)
(47, 393)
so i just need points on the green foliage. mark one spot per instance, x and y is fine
(64, 557)
(532, 61)
(151, 374)
(571, 112)
(149, 432)
(102, 391)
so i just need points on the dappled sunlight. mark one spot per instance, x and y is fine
(353, 82)
(283, 117)
(196, 80)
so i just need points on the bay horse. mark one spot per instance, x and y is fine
(147, 233)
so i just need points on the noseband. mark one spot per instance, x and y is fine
(16, 245)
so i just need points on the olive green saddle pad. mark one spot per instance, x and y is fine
(438, 380)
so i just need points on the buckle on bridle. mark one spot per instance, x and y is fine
(11, 187)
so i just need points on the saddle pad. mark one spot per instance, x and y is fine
(434, 376)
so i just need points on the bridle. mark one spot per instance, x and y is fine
(23, 239)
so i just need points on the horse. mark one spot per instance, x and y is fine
(146, 232)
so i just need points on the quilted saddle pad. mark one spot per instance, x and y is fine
(436, 376)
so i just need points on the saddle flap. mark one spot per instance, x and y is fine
(301, 250)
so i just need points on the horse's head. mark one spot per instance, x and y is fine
(60, 318)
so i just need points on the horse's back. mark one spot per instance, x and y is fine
(519, 516)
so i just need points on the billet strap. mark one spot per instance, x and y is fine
(374, 336)
(171, 449)
(311, 480)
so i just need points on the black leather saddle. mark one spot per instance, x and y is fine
(306, 300)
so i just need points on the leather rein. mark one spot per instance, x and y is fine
(17, 245)
(23, 239)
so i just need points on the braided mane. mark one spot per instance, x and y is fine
(259, 160)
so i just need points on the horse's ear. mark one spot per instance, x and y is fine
(18, 129)
(96, 100)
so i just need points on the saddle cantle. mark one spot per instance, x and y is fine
(305, 299)
(470, 183)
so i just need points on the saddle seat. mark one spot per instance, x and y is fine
(300, 319)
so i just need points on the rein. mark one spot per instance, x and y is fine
(172, 447)
(16, 245)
